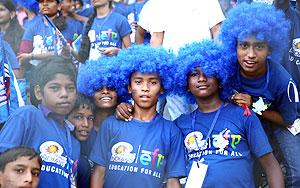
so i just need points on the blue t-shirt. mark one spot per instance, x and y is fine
(228, 151)
(276, 90)
(44, 39)
(139, 154)
(107, 32)
(58, 149)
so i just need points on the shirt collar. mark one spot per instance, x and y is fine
(49, 113)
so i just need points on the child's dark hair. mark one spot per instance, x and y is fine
(84, 101)
(13, 154)
(46, 71)
(8, 4)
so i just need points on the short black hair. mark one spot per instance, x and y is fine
(15, 153)
(85, 101)
(8, 4)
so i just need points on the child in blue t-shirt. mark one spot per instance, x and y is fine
(149, 149)
(263, 84)
(82, 117)
(44, 127)
(217, 133)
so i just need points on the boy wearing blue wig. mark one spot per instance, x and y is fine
(149, 149)
(255, 40)
(217, 134)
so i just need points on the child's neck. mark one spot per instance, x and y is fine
(209, 105)
(143, 114)
(256, 74)
(103, 11)
(101, 114)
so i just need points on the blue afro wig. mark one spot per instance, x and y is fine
(144, 59)
(93, 75)
(214, 61)
(260, 20)
(31, 5)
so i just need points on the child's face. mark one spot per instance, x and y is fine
(49, 7)
(106, 98)
(145, 89)
(202, 86)
(23, 172)
(59, 94)
(82, 118)
(252, 55)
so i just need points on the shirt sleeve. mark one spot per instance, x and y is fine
(13, 133)
(124, 27)
(176, 162)
(257, 138)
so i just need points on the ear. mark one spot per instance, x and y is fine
(129, 89)
(161, 91)
(38, 92)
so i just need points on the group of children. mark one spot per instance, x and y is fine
(83, 142)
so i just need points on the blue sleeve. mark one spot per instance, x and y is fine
(29, 32)
(100, 150)
(11, 56)
(257, 138)
(176, 162)
(124, 27)
(287, 102)
(14, 132)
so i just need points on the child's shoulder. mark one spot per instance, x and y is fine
(27, 109)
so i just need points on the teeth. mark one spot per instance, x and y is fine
(105, 99)
(84, 133)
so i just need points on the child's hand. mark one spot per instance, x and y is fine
(241, 98)
(124, 112)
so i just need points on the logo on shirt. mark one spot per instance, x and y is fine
(52, 152)
(194, 141)
(296, 47)
(121, 152)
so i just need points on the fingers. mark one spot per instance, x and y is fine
(123, 112)
(240, 99)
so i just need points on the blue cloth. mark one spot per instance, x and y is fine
(85, 165)
(228, 151)
(107, 32)
(139, 154)
(7, 56)
(31, 127)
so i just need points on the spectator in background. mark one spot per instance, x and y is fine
(105, 33)
(9, 25)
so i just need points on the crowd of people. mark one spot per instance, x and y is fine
(149, 93)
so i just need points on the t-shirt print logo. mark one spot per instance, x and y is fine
(296, 47)
(52, 152)
(194, 141)
(121, 152)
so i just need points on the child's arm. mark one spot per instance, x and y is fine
(272, 170)
(97, 178)
(173, 183)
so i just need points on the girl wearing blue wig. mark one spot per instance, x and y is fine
(254, 34)
(217, 133)
(147, 150)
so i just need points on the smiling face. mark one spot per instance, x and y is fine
(252, 57)
(59, 94)
(106, 98)
(145, 89)
(22, 173)
(82, 118)
(201, 86)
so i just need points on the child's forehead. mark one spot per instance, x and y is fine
(141, 75)
(25, 161)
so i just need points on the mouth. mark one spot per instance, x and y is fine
(106, 98)
(83, 133)
(64, 104)
(144, 97)
(249, 64)
(202, 87)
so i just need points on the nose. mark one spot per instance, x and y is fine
(104, 90)
(85, 122)
(145, 86)
(251, 53)
(202, 77)
(64, 92)
(27, 177)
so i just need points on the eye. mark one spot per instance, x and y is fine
(194, 74)
(78, 117)
(154, 82)
(91, 118)
(36, 173)
(243, 45)
(137, 81)
(54, 88)
(71, 88)
(260, 46)
(20, 170)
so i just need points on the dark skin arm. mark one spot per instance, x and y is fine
(139, 35)
(272, 170)
(271, 115)
(173, 183)
(97, 178)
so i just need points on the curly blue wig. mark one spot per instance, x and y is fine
(31, 5)
(93, 75)
(144, 59)
(213, 60)
(260, 20)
